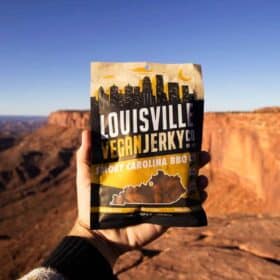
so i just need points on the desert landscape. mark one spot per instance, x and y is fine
(38, 200)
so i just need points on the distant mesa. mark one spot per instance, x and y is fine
(70, 118)
(273, 109)
(14, 126)
(80, 118)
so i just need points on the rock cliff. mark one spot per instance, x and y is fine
(78, 119)
(37, 195)
(245, 157)
(244, 171)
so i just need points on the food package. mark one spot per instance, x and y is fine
(146, 131)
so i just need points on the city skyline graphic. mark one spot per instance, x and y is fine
(142, 96)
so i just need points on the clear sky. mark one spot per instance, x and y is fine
(46, 48)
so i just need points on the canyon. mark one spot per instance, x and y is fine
(37, 201)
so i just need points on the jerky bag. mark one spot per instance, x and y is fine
(146, 125)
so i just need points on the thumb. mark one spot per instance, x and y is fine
(83, 153)
(83, 160)
(84, 178)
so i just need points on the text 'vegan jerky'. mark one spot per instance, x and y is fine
(146, 122)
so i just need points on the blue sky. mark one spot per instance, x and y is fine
(46, 48)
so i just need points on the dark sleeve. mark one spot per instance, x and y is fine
(76, 258)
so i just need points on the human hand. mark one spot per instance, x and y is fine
(113, 242)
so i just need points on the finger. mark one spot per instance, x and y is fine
(144, 233)
(202, 182)
(83, 160)
(204, 158)
(83, 154)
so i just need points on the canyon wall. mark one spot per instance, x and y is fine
(37, 195)
(244, 172)
(245, 155)
(78, 119)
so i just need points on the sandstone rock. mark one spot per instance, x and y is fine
(77, 119)
(243, 179)
(275, 109)
(245, 159)
(14, 126)
(218, 256)
(127, 261)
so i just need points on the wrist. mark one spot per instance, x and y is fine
(107, 248)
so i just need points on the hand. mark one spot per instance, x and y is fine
(113, 242)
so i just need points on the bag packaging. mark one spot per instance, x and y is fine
(146, 127)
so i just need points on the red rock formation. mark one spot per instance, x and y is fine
(229, 248)
(37, 196)
(78, 119)
(275, 109)
(244, 171)
(246, 153)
